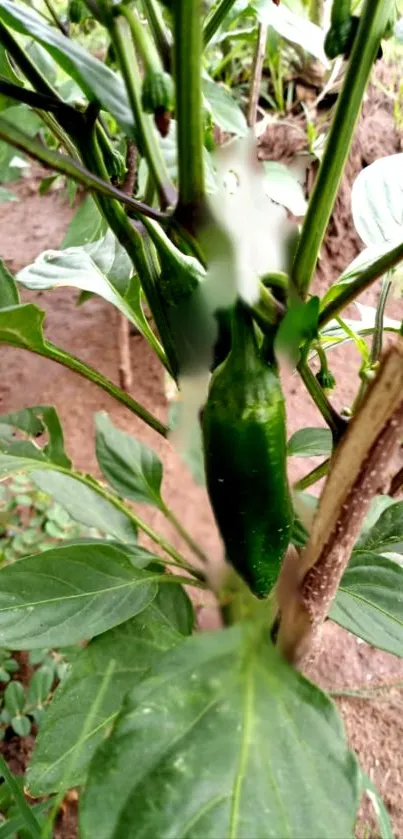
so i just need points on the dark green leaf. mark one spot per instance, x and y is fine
(386, 536)
(224, 739)
(134, 646)
(8, 290)
(86, 225)
(309, 442)
(85, 505)
(27, 420)
(40, 685)
(69, 594)
(132, 468)
(369, 602)
(98, 82)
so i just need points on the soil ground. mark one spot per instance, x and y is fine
(374, 727)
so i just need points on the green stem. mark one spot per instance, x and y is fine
(72, 169)
(142, 40)
(155, 19)
(335, 422)
(121, 39)
(353, 289)
(189, 111)
(215, 19)
(25, 64)
(377, 340)
(191, 543)
(136, 246)
(56, 354)
(371, 29)
(313, 477)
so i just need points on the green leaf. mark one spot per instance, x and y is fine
(386, 536)
(69, 594)
(14, 698)
(21, 725)
(224, 110)
(96, 80)
(369, 602)
(381, 813)
(86, 225)
(7, 195)
(9, 295)
(310, 442)
(27, 420)
(133, 469)
(376, 201)
(300, 324)
(293, 27)
(85, 505)
(134, 646)
(282, 186)
(237, 744)
(21, 326)
(101, 267)
(40, 686)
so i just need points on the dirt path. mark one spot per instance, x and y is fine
(33, 224)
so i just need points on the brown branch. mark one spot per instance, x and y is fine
(308, 584)
(396, 483)
(257, 73)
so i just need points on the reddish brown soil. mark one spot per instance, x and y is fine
(374, 727)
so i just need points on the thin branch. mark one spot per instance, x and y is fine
(351, 290)
(153, 14)
(396, 483)
(72, 169)
(59, 23)
(335, 422)
(313, 477)
(191, 543)
(257, 71)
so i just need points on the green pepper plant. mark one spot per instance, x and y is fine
(165, 731)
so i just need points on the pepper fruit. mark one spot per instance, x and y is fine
(244, 436)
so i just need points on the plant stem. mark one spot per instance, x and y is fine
(215, 19)
(25, 64)
(335, 422)
(60, 25)
(31, 823)
(148, 145)
(351, 290)
(377, 340)
(371, 29)
(142, 40)
(136, 246)
(155, 19)
(191, 543)
(72, 169)
(258, 62)
(313, 476)
(67, 360)
(188, 63)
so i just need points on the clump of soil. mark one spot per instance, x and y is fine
(374, 726)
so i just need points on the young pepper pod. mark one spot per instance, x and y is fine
(244, 435)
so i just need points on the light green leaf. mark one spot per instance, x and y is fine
(134, 646)
(369, 602)
(21, 725)
(364, 260)
(101, 267)
(224, 110)
(377, 201)
(237, 743)
(86, 225)
(283, 188)
(35, 421)
(40, 685)
(84, 504)
(381, 813)
(293, 27)
(69, 594)
(310, 442)
(387, 533)
(9, 295)
(14, 698)
(98, 82)
(133, 469)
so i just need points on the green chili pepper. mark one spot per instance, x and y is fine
(244, 436)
